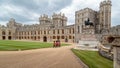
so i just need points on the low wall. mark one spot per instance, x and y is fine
(105, 52)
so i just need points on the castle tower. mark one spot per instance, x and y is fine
(44, 19)
(105, 14)
(11, 23)
(59, 20)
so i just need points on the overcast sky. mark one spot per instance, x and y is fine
(29, 11)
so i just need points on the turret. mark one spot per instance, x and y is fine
(44, 19)
(11, 23)
(105, 14)
(59, 20)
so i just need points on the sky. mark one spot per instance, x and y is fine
(29, 11)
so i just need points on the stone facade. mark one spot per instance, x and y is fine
(100, 20)
(49, 30)
(88, 23)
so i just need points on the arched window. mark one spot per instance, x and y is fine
(62, 37)
(53, 31)
(70, 37)
(38, 37)
(3, 33)
(9, 33)
(62, 31)
(58, 31)
(54, 37)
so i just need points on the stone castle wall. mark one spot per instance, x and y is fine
(52, 28)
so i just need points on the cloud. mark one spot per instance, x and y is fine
(94, 4)
(28, 12)
(115, 12)
(78, 5)
(25, 11)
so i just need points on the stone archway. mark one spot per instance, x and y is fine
(44, 39)
(9, 37)
(3, 37)
(66, 40)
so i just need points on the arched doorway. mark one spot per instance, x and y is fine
(44, 39)
(3, 38)
(35, 38)
(66, 40)
(9, 37)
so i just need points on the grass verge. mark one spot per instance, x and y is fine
(7, 45)
(93, 59)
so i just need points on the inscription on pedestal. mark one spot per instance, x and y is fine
(118, 55)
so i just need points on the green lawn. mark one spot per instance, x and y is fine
(7, 45)
(93, 59)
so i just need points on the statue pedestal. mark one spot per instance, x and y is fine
(87, 45)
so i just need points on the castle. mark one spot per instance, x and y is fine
(88, 23)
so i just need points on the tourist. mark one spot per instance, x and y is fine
(59, 43)
(54, 44)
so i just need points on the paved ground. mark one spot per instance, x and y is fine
(40, 58)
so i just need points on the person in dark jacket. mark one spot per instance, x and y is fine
(54, 44)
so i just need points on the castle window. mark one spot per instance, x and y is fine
(19, 33)
(70, 37)
(53, 31)
(73, 37)
(70, 31)
(9, 33)
(62, 31)
(28, 33)
(62, 23)
(38, 32)
(38, 37)
(78, 15)
(48, 31)
(73, 30)
(19, 37)
(44, 32)
(35, 32)
(3, 33)
(58, 37)
(41, 32)
(78, 29)
(62, 37)
(54, 37)
(25, 33)
(31, 37)
(31, 32)
(83, 14)
(58, 31)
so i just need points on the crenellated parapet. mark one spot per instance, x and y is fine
(59, 20)
(106, 2)
(44, 19)
(59, 16)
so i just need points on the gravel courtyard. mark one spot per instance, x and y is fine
(40, 58)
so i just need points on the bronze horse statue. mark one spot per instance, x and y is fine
(89, 23)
